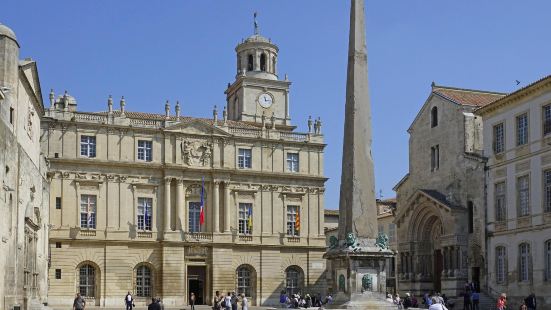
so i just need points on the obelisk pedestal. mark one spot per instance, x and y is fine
(358, 256)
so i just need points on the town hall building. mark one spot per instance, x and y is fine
(165, 205)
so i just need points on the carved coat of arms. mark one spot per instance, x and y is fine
(197, 153)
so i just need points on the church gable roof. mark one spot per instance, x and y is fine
(471, 97)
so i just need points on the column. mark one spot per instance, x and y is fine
(227, 206)
(216, 206)
(446, 261)
(180, 203)
(167, 205)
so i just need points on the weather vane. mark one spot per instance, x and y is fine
(255, 24)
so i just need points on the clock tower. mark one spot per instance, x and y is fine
(257, 90)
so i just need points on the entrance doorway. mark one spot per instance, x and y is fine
(476, 278)
(196, 283)
(438, 267)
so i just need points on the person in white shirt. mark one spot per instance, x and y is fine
(244, 302)
(436, 305)
(129, 301)
(227, 301)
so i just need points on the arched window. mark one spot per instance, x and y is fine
(87, 281)
(274, 61)
(263, 62)
(547, 251)
(434, 117)
(143, 281)
(250, 63)
(524, 262)
(501, 264)
(293, 280)
(245, 280)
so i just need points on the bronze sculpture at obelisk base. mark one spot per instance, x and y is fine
(357, 259)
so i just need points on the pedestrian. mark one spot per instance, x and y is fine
(308, 301)
(407, 301)
(398, 302)
(79, 303)
(414, 302)
(523, 306)
(436, 305)
(233, 301)
(129, 301)
(531, 302)
(216, 305)
(467, 300)
(244, 302)
(227, 302)
(283, 300)
(192, 301)
(502, 302)
(476, 300)
(154, 305)
(427, 300)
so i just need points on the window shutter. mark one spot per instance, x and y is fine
(530, 273)
(506, 269)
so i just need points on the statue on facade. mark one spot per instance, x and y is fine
(333, 242)
(197, 153)
(367, 282)
(382, 241)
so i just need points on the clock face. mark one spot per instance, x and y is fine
(265, 100)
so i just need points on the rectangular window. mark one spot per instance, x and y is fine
(145, 150)
(58, 245)
(434, 158)
(500, 264)
(145, 213)
(523, 196)
(499, 138)
(11, 115)
(58, 203)
(546, 119)
(547, 191)
(293, 221)
(245, 218)
(524, 262)
(292, 162)
(88, 205)
(500, 207)
(522, 129)
(88, 146)
(194, 213)
(244, 159)
(58, 274)
(391, 232)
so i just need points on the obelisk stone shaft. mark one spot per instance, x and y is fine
(357, 207)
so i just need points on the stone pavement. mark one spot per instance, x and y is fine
(166, 308)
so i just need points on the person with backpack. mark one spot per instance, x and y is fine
(216, 305)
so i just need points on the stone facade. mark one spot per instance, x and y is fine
(127, 187)
(517, 139)
(24, 192)
(440, 243)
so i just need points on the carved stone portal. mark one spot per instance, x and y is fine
(197, 153)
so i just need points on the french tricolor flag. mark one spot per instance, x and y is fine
(202, 213)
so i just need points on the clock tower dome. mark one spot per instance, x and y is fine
(257, 89)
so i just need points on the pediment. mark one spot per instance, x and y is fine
(419, 198)
(196, 127)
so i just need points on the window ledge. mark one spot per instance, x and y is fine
(88, 233)
(248, 238)
(524, 221)
(501, 226)
(145, 234)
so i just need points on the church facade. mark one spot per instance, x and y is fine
(165, 205)
(441, 239)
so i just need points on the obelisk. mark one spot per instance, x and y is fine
(358, 258)
(357, 209)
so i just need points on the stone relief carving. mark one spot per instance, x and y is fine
(197, 153)
(29, 124)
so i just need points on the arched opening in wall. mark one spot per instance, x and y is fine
(263, 62)
(88, 280)
(426, 230)
(294, 280)
(246, 282)
(143, 284)
(434, 117)
(274, 60)
(250, 63)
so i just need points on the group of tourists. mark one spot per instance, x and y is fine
(296, 301)
(434, 301)
(229, 301)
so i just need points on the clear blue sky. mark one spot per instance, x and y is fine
(150, 51)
